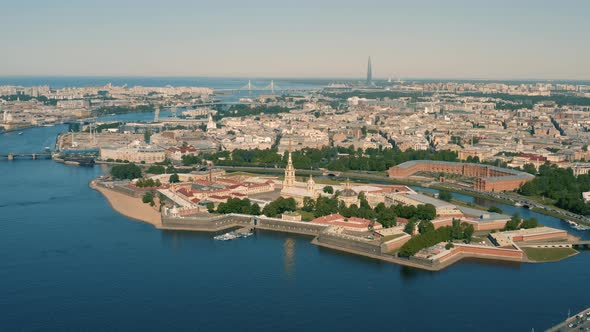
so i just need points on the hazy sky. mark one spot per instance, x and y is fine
(297, 38)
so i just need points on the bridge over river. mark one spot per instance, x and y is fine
(33, 156)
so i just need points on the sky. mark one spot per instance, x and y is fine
(476, 39)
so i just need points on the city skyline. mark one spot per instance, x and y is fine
(457, 40)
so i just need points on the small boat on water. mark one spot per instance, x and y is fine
(576, 226)
(231, 236)
(20, 133)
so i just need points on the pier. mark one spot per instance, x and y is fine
(578, 322)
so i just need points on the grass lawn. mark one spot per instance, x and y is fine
(306, 216)
(548, 254)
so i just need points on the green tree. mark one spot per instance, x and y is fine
(410, 227)
(148, 197)
(425, 212)
(210, 207)
(530, 223)
(255, 209)
(468, 231)
(456, 229)
(279, 206)
(308, 204)
(127, 171)
(530, 168)
(445, 195)
(174, 178)
(386, 217)
(191, 160)
(494, 209)
(425, 226)
(162, 199)
(328, 190)
(156, 169)
(513, 223)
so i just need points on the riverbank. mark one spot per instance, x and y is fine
(130, 207)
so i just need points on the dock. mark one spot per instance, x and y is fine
(578, 322)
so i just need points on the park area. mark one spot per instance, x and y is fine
(548, 254)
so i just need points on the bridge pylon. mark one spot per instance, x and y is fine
(248, 86)
(271, 87)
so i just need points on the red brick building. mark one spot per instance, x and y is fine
(487, 178)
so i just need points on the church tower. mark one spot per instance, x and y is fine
(289, 171)
(311, 185)
(210, 123)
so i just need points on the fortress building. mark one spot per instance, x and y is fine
(487, 178)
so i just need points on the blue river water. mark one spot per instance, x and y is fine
(69, 262)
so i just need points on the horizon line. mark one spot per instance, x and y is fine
(290, 77)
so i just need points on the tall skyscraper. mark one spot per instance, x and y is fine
(369, 73)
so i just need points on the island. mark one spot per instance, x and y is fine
(389, 222)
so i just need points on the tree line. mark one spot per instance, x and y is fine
(429, 236)
(331, 158)
(560, 185)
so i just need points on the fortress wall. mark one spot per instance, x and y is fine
(338, 241)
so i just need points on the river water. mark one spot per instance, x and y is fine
(69, 262)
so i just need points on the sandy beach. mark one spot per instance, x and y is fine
(130, 207)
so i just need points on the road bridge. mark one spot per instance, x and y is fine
(33, 156)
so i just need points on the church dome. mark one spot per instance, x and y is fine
(348, 192)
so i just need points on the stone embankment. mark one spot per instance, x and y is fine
(124, 201)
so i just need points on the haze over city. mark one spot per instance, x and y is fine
(416, 39)
(295, 166)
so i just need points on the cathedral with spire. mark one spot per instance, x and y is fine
(298, 190)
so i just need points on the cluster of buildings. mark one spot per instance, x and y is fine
(524, 89)
(485, 177)
(22, 107)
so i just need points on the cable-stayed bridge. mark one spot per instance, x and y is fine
(270, 87)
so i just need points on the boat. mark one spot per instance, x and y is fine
(21, 133)
(79, 161)
(231, 236)
(226, 237)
